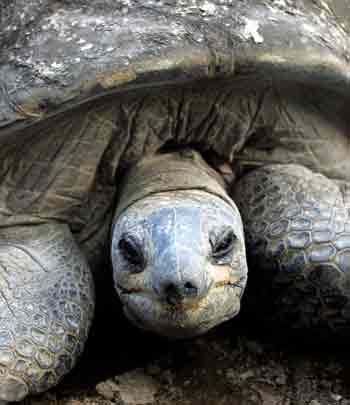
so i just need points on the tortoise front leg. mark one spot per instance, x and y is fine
(46, 307)
(297, 229)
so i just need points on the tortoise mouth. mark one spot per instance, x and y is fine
(185, 304)
(174, 332)
(183, 320)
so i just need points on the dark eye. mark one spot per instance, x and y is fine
(222, 244)
(131, 251)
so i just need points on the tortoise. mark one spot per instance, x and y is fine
(189, 140)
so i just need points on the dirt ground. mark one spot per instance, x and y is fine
(231, 365)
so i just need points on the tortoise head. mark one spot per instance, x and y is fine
(178, 255)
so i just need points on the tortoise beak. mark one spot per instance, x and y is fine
(179, 277)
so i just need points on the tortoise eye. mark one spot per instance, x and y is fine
(131, 251)
(222, 244)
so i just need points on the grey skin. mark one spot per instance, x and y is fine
(179, 263)
(93, 93)
(178, 249)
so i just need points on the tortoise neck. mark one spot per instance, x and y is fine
(180, 170)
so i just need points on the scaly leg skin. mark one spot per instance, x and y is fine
(297, 229)
(46, 307)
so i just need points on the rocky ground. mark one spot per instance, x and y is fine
(231, 365)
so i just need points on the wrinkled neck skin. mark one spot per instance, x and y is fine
(178, 250)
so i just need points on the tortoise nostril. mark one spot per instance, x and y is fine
(171, 290)
(190, 289)
(177, 292)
